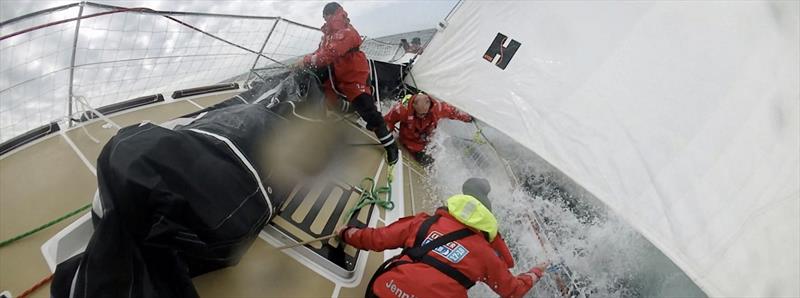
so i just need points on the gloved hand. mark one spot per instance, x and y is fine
(341, 230)
(537, 272)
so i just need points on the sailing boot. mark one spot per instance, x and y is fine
(364, 105)
(387, 141)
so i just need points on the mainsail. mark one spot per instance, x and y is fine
(683, 118)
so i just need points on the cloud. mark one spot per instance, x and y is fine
(371, 18)
(156, 55)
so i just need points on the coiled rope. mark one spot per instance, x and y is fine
(371, 195)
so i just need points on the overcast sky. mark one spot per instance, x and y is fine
(371, 18)
(34, 67)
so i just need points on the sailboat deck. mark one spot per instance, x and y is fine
(49, 177)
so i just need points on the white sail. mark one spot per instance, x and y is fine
(682, 117)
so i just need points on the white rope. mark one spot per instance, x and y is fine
(374, 71)
(86, 106)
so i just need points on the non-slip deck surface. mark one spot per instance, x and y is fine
(46, 179)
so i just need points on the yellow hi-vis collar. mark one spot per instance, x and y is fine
(469, 211)
(406, 99)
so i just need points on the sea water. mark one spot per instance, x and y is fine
(604, 256)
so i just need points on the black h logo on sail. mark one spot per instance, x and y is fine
(505, 53)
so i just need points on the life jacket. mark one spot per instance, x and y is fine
(467, 210)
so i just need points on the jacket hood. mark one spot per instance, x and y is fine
(336, 22)
(472, 213)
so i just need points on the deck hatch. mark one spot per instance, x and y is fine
(309, 213)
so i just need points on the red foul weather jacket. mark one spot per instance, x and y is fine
(415, 132)
(484, 262)
(339, 49)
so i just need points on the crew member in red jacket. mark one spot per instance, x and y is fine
(418, 118)
(446, 253)
(347, 71)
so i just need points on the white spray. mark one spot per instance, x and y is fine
(604, 256)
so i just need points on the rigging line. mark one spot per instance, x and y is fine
(422, 49)
(187, 13)
(141, 9)
(550, 255)
(506, 165)
(333, 84)
(114, 61)
(158, 57)
(323, 238)
(453, 9)
(374, 70)
(36, 286)
(87, 107)
(40, 12)
(395, 56)
(536, 216)
(259, 76)
(223, 40)
(381, 42)
(274, 67)
(371, 195)
(44, 226)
